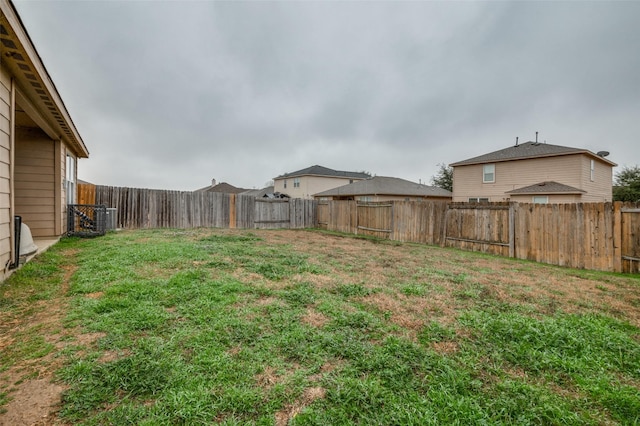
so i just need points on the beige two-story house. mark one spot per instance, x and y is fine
(534, 172)
(312, 180)
(39, 144)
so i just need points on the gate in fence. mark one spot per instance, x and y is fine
(375, 219)
(271, 214)
(479, 227)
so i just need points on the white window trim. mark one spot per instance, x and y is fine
(70, 179)
(485, 173)
(593, 170)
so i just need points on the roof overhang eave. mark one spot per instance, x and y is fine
(561, 154)
(34, 81)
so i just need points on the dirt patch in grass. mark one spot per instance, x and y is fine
(34, 402)
(445, 347)
(314, 318)
(412, 312)
(284, 416)
(268, 378)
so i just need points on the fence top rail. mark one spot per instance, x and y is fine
(478, 207)
(373, 205)
(272, 200)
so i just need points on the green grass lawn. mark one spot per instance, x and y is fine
(311, 328)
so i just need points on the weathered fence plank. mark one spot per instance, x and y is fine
(86, 193)
(630, 241)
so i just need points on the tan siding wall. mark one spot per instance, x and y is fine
(569, 170)
(34, 182)
(601, 188)
(5, 159)
(310, 185)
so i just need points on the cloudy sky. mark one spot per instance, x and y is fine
(172, 94)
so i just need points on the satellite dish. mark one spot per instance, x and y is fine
(602, 153)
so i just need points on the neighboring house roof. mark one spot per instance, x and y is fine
(223, 187)
(37, 95)
(528, 150)
(382, 185)
(324, 171)
(259, 193)
(549, 187)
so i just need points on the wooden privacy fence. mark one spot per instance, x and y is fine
(148, 208)
(600, 236)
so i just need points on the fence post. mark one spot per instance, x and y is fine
(617, 237)
(392, 228)
(232, 211)
(512, 229)
(443, 242)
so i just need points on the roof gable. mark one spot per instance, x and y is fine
(549, 187)
(383, 185)
(528, 150)
(324, 171)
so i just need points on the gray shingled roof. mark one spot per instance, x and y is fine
(222, 187)
(527, 150)
(549, 187)
(258, 193)
(324, 171)
(382, 185)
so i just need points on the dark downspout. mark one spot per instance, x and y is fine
(17, 223)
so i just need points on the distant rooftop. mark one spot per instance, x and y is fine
(222, 187)
(527, 150)
(383, 185)
(324, 171)
(259, 193)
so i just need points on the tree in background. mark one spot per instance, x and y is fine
(627, 184)
(443, 178)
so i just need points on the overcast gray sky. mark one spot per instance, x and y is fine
(172, 94)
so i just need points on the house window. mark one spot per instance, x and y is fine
(70, 180)
(488, 173)
(365, 198)
(478, 200)
(541, 199)
(285, 184)
(296, 182)
(350, 180)
(593, 170)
